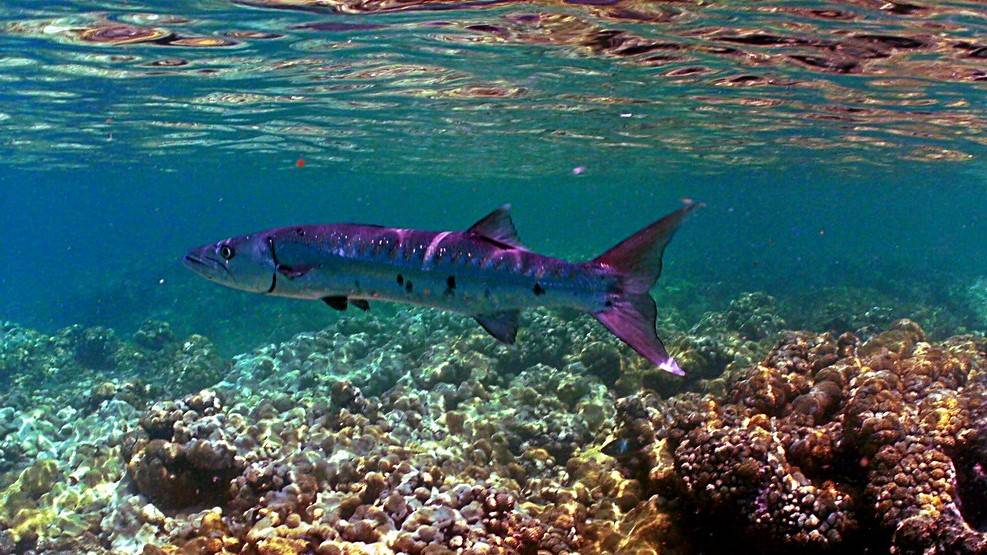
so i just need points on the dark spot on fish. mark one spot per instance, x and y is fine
(300, 232)
(451, 282)
(538, 289)
(609, 303)
(400, 279)
(408, 286)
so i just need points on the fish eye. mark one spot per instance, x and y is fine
(227, 252)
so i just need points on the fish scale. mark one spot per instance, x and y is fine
(484, 272)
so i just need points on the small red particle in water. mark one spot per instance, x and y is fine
(578, 170)
(300, 163)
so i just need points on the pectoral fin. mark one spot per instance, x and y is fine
(362, 304)
(501, 325)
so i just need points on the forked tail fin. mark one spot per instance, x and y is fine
(637, 260)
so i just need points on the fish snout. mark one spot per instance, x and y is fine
(201, 264)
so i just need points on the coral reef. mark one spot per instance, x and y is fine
(184, 453)
(720, 343)
(398, 471)
(864, 312)
(941, 311)
(369, 437)
(392, 444)
(71, 465)
(830, 444)
(76, 360)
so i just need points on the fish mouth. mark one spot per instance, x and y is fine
(207, 267)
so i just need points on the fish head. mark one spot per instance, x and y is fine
(244, 262)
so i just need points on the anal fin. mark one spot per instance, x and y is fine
(501, 325)
(632, 320)
(362, 304)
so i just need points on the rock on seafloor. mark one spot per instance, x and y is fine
(371, 436)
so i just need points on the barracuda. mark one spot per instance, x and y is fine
(484, 272)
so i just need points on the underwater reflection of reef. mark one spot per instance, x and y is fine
(742, 82)
(121, 34)
(822, 40)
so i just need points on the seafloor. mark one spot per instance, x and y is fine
(416, 433)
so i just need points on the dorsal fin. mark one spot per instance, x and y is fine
(498, 226)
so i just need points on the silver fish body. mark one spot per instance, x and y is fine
(483, 271)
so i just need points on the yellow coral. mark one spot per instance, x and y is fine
(19, 503)
(282, 546)
(931, 504)
(42, 502)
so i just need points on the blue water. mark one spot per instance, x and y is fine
(840, 149)
(100, 245)
(119, 155)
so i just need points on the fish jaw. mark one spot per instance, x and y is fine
(202, 263)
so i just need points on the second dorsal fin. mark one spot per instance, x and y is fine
(498, 226)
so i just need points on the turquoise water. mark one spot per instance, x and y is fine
(131, 152)
(839, 147)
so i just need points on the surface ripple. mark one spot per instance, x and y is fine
(534, 87)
